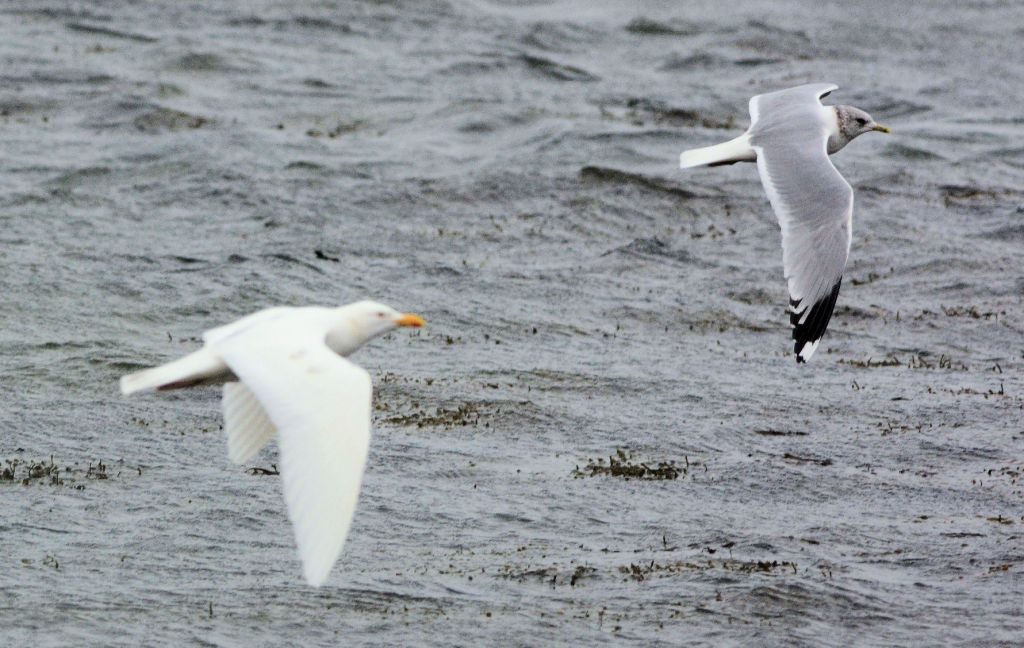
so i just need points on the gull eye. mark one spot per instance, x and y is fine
(861, 121)
(381, 314)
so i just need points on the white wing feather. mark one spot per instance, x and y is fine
(246, 423)
(320, 404)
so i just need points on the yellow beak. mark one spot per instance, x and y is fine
(409, 319)
(881, 129)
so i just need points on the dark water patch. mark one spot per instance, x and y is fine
(871, 277)
(1013, 157)
(606, 175)
(306, 165)
(897, 108)
(321, 24)
(246, 21)
(22, 105)
(196, 62)
(641, 110)
(671, 27)
(168, 120)
(339, 129)
(80, 177)
(477, 66)
(806, 459)
(442, 270)
(911, 152)
(58, 14)
(50, 78)
(654, 248)
(558, 71)
(558, 37)
(98, 30)
(317, 83)
(139, 115)
(291, 260)
(754, 61)
(776, 42)
(1007, 233)
(550, 381)
(74, 344)
(774, 432)
(961, 194)
(676, 61)
(753, 296)
(323, 256)
(306, 23)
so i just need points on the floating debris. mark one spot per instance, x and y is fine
(622, 464)
(464, 414)
(798, 459)
(870, 363)
(774, 432)
(27, 473)
(256, 470)
(643, 571)
(99, 471)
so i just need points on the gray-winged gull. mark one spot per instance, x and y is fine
(790, 137)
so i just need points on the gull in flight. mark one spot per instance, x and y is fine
(284, 371)
(790, 137)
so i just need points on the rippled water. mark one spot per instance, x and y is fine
(509, 171)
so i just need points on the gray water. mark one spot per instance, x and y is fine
(508, 170)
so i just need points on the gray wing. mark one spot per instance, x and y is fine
(776, 106)
(814, 204)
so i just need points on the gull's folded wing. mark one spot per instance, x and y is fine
(320, 404)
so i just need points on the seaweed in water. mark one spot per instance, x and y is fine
(31, 472)
(28, 473)
(622, 464)
(464, 414)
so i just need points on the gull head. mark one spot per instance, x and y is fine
(854, 122)
(362, 321)
(370, 318)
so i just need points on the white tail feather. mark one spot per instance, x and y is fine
(198, 366)
(735, 150)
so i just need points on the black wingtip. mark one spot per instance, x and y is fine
(814, 324)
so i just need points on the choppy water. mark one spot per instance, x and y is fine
(509, 171)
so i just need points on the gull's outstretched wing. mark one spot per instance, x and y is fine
(776, 105)
(320, 404)
(813, 202)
